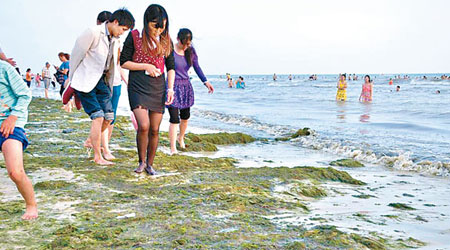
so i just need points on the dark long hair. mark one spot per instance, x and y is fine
(368, 77)
(185, 35)
(156, 13)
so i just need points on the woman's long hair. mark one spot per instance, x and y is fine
(185, 35)
(156, 13)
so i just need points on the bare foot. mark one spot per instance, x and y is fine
(181, 142)
(31, 213)
(88, 144)
(173, 152)
(108, 156)
(103, 162)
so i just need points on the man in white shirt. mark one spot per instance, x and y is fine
(93, 64)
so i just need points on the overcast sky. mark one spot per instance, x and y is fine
(255, 37)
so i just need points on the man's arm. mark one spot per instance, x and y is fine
(82, 45)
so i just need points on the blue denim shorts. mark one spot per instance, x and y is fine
(19, 135)
(97, 103)
(115, 100)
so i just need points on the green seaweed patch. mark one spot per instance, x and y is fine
(309, 190)
(429, 205)
(300, 132)
(363, 196)
(296, 245)
(51, 185)
(420, 218)
(401, 206)
(351, 163)
(208, 142)
(11, 207)
(332, 237)
(411, 243)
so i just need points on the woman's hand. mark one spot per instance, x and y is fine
(170, 94)
(210, 87)
(151, 70)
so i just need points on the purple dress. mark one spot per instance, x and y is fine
(184, 93)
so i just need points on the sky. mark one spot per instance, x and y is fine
(255, 36)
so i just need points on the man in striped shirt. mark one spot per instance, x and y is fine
(15, 97)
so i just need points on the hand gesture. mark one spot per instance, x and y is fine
(151, 70)
(170, 94)
(11, 61)
(8, 126)
(210, 87)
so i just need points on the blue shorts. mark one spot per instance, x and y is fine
(19, 135)
(115, 100)
(97, 103)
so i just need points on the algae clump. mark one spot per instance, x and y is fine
(300, 132)
(401, 206)
(351, 163)
(49, 185)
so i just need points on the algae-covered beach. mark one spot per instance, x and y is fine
(194, 203)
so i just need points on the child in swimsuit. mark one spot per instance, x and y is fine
(341, 94)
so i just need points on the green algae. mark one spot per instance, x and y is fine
(199, 203)
(401, 206)
(51, 185)
(351, 163)
(309, 190)
(330, 236)
(363, 196)
(300, 132)
(209, 142)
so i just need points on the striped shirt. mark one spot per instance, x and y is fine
(15, 96)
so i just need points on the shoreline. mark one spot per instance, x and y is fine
(197, 202)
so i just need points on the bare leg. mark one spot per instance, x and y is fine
(12, 152)
(183, 127)
(143, 122)
(105, 142)
(155, 121)
(46, 93)
(172, 138)
(110, 130)
(96, 134)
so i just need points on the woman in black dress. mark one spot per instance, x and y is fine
(145, 56)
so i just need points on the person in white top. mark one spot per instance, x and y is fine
(93, 68)
(47, 76)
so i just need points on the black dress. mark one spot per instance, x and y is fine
(143, 90)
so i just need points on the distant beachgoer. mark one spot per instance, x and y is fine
(103, 17)
(398, 88)
(366, 92)
(62, 70)
(92, 74)
(230, 82)
(37, 79)
(290, 77)
(438, 91)
(46, 75)
(391, 81)
(3, 57)
(275, 77)
(185, 57)
(341, 94)
(240, 84)
(28, 77)
(13, 116)
(146, 55)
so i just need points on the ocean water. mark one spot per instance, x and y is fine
(408, 130)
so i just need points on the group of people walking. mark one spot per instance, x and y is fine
(92, 75)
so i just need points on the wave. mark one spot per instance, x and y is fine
(359, 151)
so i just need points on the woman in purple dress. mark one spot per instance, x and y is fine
(185, 58)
